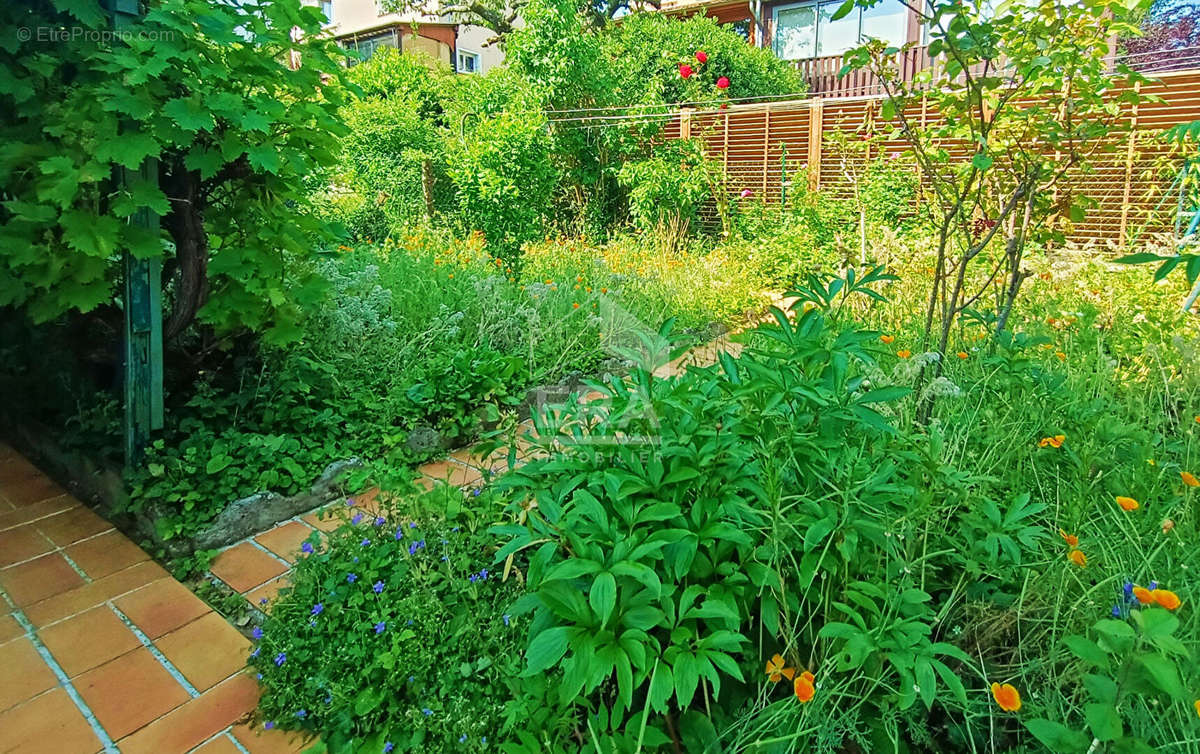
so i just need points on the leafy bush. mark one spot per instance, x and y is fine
(667, 189)
(394, 633)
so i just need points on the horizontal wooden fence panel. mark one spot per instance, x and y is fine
(773, 147)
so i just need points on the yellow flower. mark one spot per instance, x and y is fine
(1188, 479)
(1166, 598)
(1007, 697)
(1055, 442)
(1127, 503)
(776, 670)
(1078, 558)
(887, 338)
(804, 687)
(1061, 356)
(1071, 539)
(1197, 705)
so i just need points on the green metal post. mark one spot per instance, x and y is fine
(142, 298)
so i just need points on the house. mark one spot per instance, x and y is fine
(360, 26)
(804, 31)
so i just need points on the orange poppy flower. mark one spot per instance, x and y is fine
(1055, 442)
(887, 338)
(904, 353)
(1007, 697)
(1078, 558)
(1197, 705)
(1127, 503)
(1188, 479)
(962, 354)
(1198, 419)
(804, 687)
(1071, 539)
(575, 305)
(1165, 597)
(1061, 356)
(776, 671)
(1143, 595)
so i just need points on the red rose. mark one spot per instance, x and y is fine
(722, 83)
(685, 70)
(702, 57)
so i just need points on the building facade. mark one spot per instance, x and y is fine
(361, 26)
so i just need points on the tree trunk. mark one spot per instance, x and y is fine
(185, 223)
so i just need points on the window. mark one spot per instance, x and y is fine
(362, 48)
(468, 62)
(807, 30)
(327, 10)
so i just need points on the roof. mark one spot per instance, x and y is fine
(679, 6)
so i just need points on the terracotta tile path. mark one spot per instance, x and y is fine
(101, 650)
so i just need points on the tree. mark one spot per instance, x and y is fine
(210, 93)
(1019, 99)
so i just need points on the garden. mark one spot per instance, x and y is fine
(936, 489)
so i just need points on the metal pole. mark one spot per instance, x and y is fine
(142, 299)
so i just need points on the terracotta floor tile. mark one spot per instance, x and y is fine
(88, 640)
(25, 672)
(89, 595)
(39, 579)
(244, 567)
(207, 650)
(105, 554)
(452, 473)
(222, 744)
(285, 540)
(327, 519)
(9, 628)
(22, 543)
(161, 606)
(72, 526)
(130, 691)
(50, 723)
(14, 467)
(37, 511)
(31, 490)
(197, 720)
(259, 741)
(268, 591)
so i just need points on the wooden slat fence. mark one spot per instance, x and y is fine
(774, 147)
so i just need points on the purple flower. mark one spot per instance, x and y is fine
(388, 746)
(349, 502)
(377, 587)
(1116, 611)
(380, 627)
(257, 633)
(351, 577)
(262, 601)
(357, 519)
(306, 547)
(400, 534)
(505, 617)
(366, 542)
(280, 659)
(1153, 585)
(256, 651)
(380, 521)
(483, 573)
(412, 524)
(269, 724)
(317, 609)
(462, 739)
(427, 712)
(472, 578)
(475, 492)
(258, 676)
(300, 713)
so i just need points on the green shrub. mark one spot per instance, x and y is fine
(667, 189)
(393, 632)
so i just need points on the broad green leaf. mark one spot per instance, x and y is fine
(546, 649)
(603, 596)
(1104, 721)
